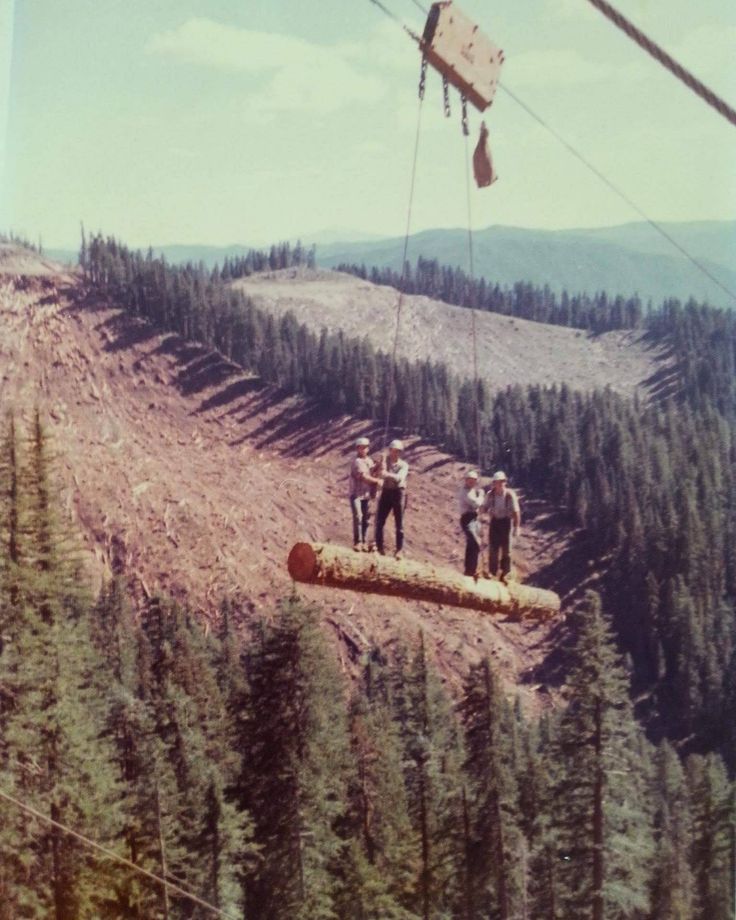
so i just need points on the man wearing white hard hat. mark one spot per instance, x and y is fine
(471, 499)
(393, 496)
(502, 505)
(362, 489)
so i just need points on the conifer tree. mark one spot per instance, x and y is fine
(672, 883)
(712, 853)
(204, 835)
(496, 881)
(538, 814)
(604, 830)
(52, 753)
(433, 761)
(293, 777)
(382, 861)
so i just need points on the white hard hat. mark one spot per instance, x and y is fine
(396, 444)
(471, 474)
(499, 476)
(362, 442)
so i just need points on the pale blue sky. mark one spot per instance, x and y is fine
(244, 122)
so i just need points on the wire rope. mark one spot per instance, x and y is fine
(392, 372)
(110, 854)
(665, 59)
(594, 169)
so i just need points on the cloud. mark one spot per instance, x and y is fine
(571, 10)
(384, 48)
(555, 68)
(709, 52)
(298, 74)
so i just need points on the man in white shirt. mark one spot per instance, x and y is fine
(503, 509)
(470, 500)
(393, 496)
(362, 489)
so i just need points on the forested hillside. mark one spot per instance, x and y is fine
(651, 485)
(598, 312)
(245, 776)
(252, 774)
(629, 260)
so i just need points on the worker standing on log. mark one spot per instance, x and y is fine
(362, 489)
(471, 499)
(502, 505)
(393, 474)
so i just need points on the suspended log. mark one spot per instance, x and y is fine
(338, 567)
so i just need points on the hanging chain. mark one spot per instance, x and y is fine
(446, 95)
(466, 130)
(423, 76)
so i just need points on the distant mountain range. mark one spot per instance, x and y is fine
(627, 259)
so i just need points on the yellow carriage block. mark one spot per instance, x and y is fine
(456, 47)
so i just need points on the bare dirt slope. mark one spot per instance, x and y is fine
(184, 473)
(510, 350)
(19, 261)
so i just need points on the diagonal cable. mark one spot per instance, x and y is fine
(621, 194)
(614, 188)
(110, 854)
(666, 60)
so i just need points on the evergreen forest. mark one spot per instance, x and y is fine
(250, 775)
(598, 313)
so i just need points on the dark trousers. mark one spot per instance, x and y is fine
(390, 500)
(361, 508)
(500, 541)
(471, 529)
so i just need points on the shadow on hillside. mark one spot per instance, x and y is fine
(208, 370)
(554, 668)
(664, 383)
(121, 330)
(126, 332)
(570, 572)
(299, 429)
(238, 389)
(437, 464)
(199, 367)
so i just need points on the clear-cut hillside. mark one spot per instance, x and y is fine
(510, 351)
(188, 476)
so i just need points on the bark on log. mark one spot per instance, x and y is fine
(338, 567)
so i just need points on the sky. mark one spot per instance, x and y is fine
(240, 122)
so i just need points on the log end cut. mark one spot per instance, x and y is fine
(302, 562)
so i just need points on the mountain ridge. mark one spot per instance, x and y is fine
(622, 261)
(625, 259)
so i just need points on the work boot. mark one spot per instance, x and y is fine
(358, 547)
(398, 555)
